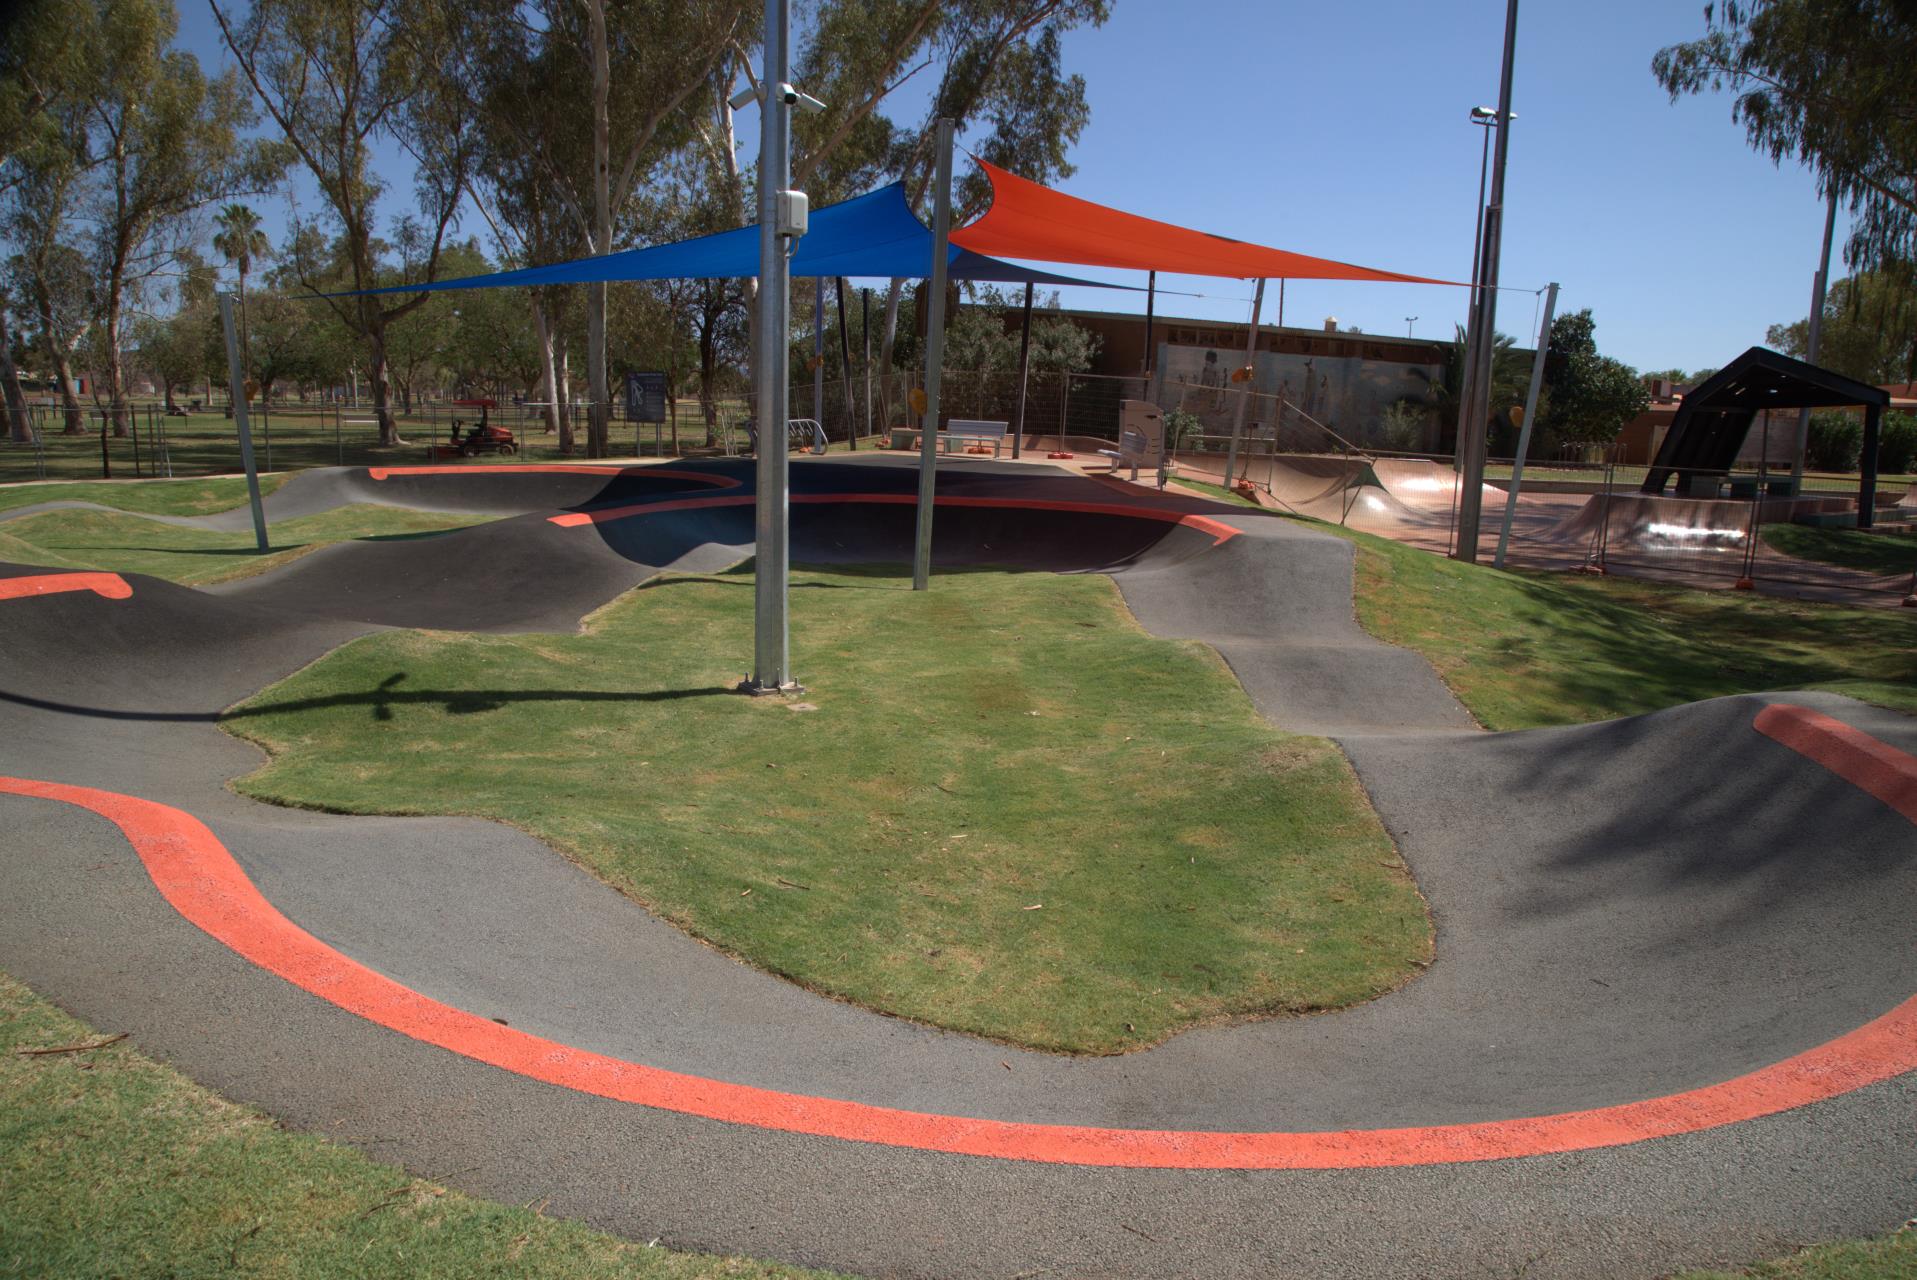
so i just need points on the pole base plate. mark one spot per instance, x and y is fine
(757, 690)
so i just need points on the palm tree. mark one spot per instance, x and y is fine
(240, 241)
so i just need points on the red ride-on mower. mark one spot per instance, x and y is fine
(482, 437)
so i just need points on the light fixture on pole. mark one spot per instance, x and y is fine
(1408, 322)
(1484, 117)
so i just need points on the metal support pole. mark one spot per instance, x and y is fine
(934, 358)
(865, 330)
(818, 351)
(1820, 283)
(845, 368)
(1472, 431)
(771, 638)
(1867, 483)
(1530, 414)
(1024, 372)
(237, 378)
(1244, 397)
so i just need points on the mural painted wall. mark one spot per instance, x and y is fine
(1346, 393)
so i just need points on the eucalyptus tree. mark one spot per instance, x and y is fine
(617, 85)
(167, 143)
(48, 274)
(1827, 83)
(336, 76)
(46, 61)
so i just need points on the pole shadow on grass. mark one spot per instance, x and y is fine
(381, 699)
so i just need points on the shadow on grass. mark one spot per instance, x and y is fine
(381, 700)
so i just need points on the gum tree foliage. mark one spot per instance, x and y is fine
(984, 336)
(165, 143)
(335, 76)
(1828, 83)
(49, 275)
(1869, 331)
(618, 83)
(1592, 396)
(46, 58)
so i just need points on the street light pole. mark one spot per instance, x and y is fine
(781, 219)
(1816, 332)
(1408, 322)
(1472, 431)
(1485, 118)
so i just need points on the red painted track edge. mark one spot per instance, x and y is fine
(110, 585)
(201, 880)
(1220, 532)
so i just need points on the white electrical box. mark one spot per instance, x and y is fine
(790, 213)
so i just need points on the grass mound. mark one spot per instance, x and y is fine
(1001, 807)
(129, 544)
(153, 497)
(1888, 550)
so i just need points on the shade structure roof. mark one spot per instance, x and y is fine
(1038, 224)
(873, 235)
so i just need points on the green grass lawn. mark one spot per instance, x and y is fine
(1002, 807)
(1559, 648)
(1887, 1257)
(166, 498)
(1890, 549)
(114, 1165)
(130, 544)
(204, 444)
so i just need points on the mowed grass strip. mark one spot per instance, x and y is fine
(1886, 1257)
(131, 544)
(1001, 807)
(1523, 649)
(1891, 549)
(155, 497)
(113, 1165)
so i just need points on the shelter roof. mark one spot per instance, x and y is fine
(1038, 224)
(1764, 379)
(873, 235)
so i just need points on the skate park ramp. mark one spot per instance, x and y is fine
(1626, 913)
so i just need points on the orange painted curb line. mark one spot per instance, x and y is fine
(552, 468)
(1859, 759)
(196, 874)
(110, 585)
(1221, 532)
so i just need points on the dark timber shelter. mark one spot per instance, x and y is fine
(1712, 423)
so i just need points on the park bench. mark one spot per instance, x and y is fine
(975, 430)
(803, 434)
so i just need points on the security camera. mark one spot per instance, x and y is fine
(804, 101)
(745, 95)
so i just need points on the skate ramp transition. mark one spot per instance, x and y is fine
(1669, 946)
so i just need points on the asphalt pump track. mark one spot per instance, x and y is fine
(1670, 1021)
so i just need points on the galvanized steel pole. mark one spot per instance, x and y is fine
(1816, 333)
(771, 639)
(1530, 412)
(1251, 380)
(934, 358)
(1024, 372)
(237, 375)
(1471, 432)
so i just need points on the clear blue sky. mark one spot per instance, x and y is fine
(1341, 130)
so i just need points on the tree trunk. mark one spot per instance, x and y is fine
(567, 445)
(379, 381)
(548, 380)
(116, 364)
(19, 428)
(76, 420)
(888, 336)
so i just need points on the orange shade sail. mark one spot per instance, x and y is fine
(1038, 224)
